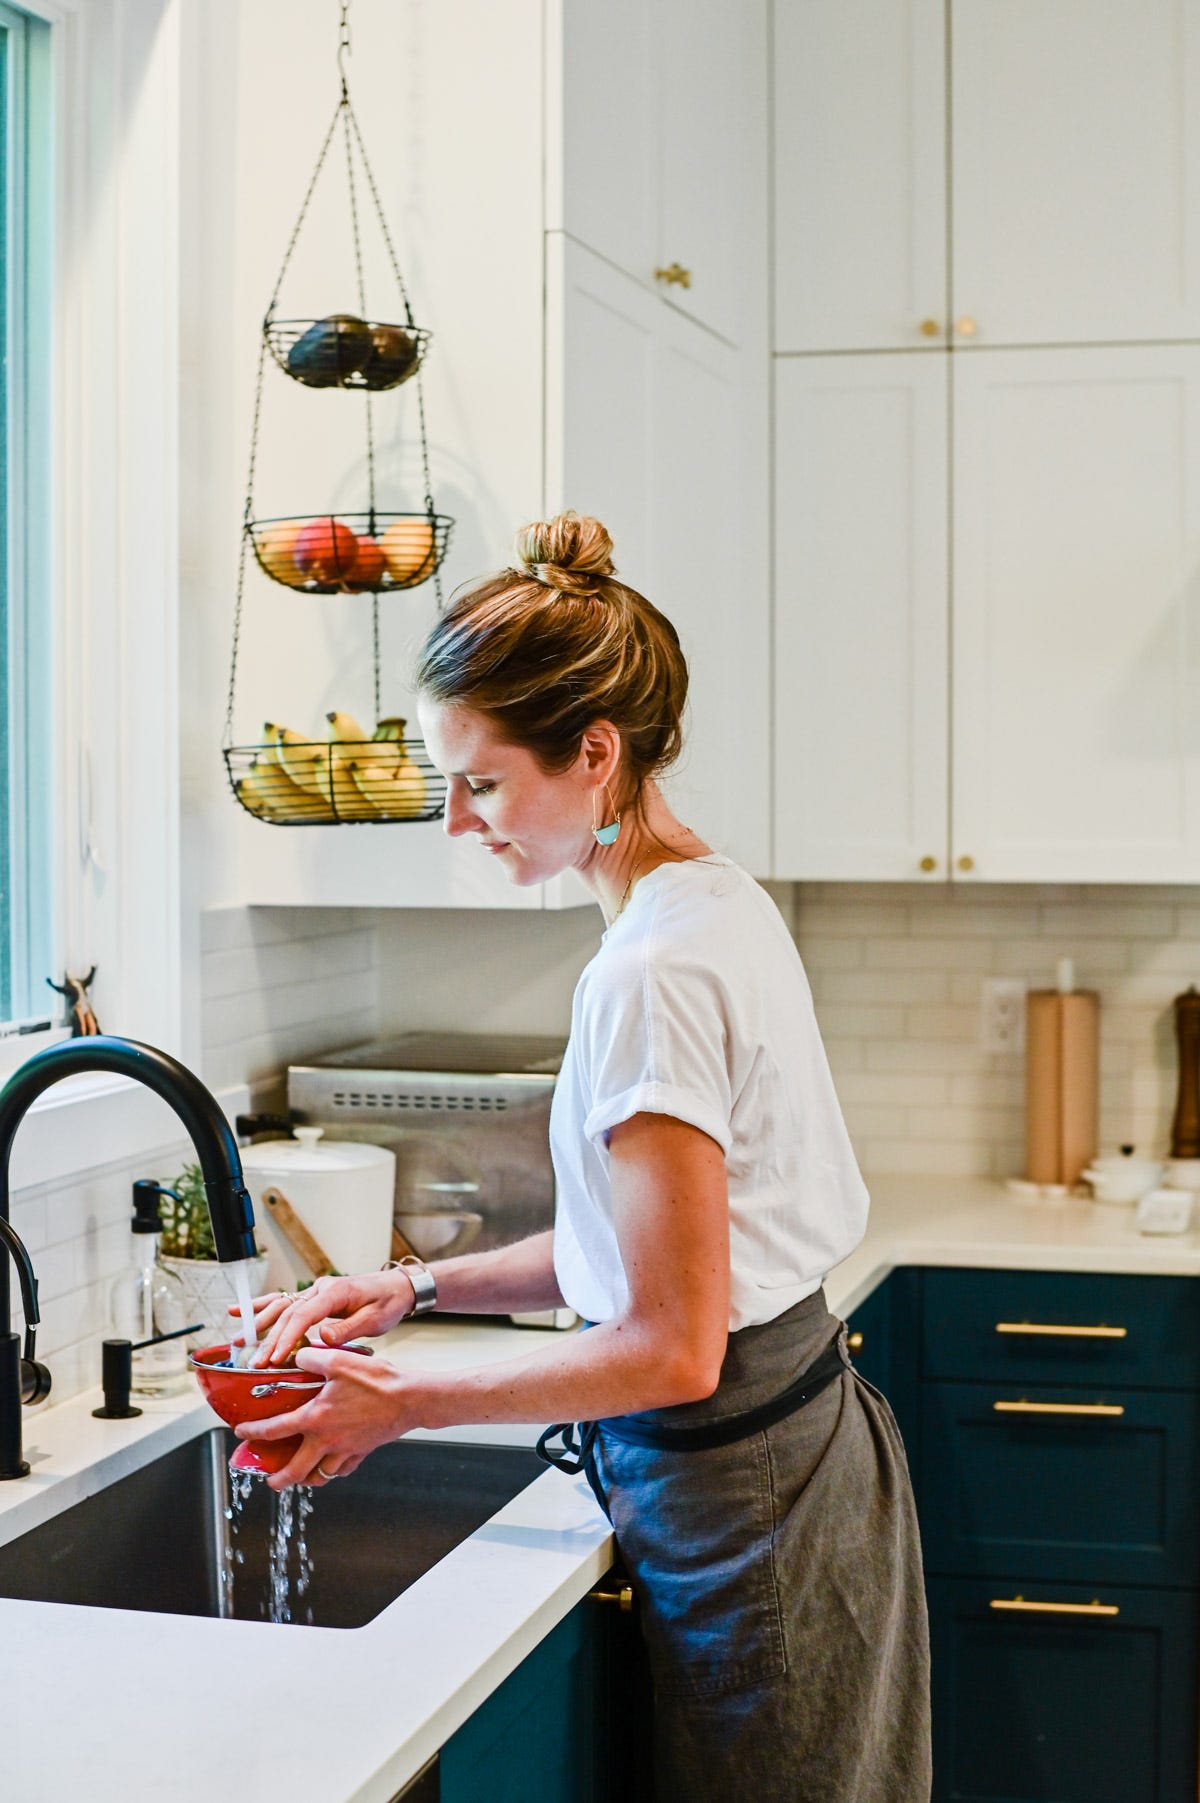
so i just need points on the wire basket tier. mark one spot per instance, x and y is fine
(351, 553)
(324, 783)
(344, 351)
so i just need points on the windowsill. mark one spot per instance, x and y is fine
(85, 1122)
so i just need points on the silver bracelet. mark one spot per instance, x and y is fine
(424, 1283)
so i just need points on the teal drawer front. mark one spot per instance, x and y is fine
(967, 1318)
(1056, 1708)
(1021, 1490)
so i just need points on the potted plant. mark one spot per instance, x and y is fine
(187, 1249)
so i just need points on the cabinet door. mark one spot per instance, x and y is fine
(602, 128)
(659, 429)
(1049, 1707)
(1076, 634)
(713, 159)
(570, 1725)
(860, 174)
(860, 618)
(659, 107)
(1076, 190)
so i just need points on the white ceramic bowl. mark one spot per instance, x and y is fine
(1122, 1179)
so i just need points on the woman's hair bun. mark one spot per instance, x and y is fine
(571, 553)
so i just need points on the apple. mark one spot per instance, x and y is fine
(368, 565)
(325, 550)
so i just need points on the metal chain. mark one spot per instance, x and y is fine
(395, 262)
(383, 224)
(362, 305)
(375, 638)
(227, 740)
(304, 204)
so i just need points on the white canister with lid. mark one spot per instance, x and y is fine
(343, 1191)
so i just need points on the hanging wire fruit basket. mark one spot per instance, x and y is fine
(350, 553)
(343, 351)
(291, 781)
(350, 776)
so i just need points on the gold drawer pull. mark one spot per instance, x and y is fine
(1075, 1333)
(674, 273)
(1058, 1408)
(1020, 1606)
(854, 1342)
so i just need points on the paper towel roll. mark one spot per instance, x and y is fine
(1062, 1083)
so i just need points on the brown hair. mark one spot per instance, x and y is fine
(547, 649)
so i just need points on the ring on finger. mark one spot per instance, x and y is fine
(327, 1475)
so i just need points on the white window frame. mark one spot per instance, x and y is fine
(117, 83)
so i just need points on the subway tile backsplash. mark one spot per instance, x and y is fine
(897, 974)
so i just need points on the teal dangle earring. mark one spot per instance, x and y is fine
(606, 835)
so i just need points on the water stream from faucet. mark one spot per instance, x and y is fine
(287, 1581)
(239, 1271)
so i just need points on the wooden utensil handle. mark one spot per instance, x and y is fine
(402, 1248)
(308, 1249)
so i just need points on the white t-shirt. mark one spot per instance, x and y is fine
(696, 1005)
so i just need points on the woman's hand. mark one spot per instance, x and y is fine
(339, 1308)
(364, 1404)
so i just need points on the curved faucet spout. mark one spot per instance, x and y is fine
(216, 1148)
(228, 1203)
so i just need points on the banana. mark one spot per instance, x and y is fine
(398, 791)
(268, 791)
(305, 762)
(345, 736)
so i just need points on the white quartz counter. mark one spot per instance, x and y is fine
(123, 1707)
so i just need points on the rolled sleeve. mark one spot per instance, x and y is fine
(660, 1046)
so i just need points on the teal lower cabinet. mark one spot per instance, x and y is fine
(1052, 1422)
(1052, 1693)
(570, 1725)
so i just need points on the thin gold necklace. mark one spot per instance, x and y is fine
(683, 831)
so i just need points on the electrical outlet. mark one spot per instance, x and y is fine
(1002, 1015)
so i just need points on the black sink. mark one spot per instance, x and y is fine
(158, 1539)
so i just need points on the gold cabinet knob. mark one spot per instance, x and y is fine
(966, 327)
(930, 328)
(854, 1342)
(928, 863)
(622, 1596)
(674, 274)
(966, 863)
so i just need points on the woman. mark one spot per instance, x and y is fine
(757, 1487)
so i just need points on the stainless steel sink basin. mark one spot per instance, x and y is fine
(157, 1540)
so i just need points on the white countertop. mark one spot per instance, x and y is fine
(126, 1707)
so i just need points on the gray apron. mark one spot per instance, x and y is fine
(778, 1578)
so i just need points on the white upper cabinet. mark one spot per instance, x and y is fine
(661, 110)
(1076, 170)
(860, 174)
(1077, 615)
(861, 618)
(661, 430)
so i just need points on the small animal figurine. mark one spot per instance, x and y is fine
(83, 1020)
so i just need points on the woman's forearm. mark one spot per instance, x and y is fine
(616, 1368)
(508, 1281)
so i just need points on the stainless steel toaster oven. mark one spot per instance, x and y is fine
(468, 1118)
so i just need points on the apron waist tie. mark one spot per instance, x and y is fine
(577, 1452)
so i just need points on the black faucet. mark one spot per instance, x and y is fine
(20, 1373)
(229, 1205)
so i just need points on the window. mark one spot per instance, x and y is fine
(26, 748)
